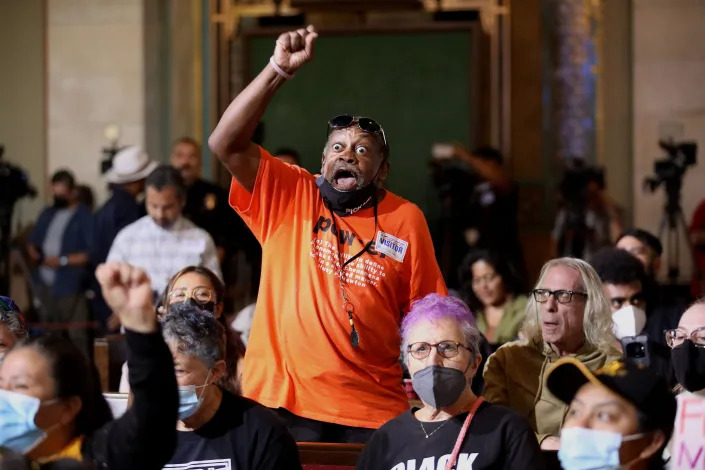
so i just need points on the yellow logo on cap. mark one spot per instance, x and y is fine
(614, 368)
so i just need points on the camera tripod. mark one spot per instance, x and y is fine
(673, 222)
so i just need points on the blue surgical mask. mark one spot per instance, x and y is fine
(590, 449)
(189, 399)
(18, 432)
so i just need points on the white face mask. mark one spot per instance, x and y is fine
(590, 449)
(628, 321)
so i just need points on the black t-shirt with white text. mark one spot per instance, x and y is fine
(242, 435)
(497, 438)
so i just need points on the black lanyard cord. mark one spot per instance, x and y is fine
(347, 305)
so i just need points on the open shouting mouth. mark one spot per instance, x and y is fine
(344, 179)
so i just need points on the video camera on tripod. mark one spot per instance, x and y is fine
(669, 173)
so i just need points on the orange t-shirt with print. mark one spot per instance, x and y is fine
(299, 353)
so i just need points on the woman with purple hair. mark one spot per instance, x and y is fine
(454, 428)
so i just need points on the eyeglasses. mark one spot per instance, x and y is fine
(677, 336)
(637, 300)
(561, 296)
(446, 349)
(364, 123)
(200, 294)
(486, 279)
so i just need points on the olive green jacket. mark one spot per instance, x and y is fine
(515, 376)
(512, 319)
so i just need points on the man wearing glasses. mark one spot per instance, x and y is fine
(566, 316)
(343, 259)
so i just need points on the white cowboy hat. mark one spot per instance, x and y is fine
(130, 164)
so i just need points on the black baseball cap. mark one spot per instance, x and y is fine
(638, 385)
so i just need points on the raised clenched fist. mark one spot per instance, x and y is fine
(295, 48)
(128, 292)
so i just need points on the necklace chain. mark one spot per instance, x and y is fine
(432, 432)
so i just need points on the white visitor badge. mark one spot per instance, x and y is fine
(391, 246)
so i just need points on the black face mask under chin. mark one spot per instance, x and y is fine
(345, 203)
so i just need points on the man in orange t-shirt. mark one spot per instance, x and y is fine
(343, 259)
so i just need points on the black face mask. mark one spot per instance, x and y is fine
(346, 202)
(60, 202)
(689, 365)
(208, 306)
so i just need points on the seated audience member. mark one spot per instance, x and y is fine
(51, 405)
(12, 328)
(645, 247)
(126, 180)
(202, 288)
(567, 315)
(688, 349)
(621, 416)
(164, 241)
(664, 310)
(623, 280)
(215, 426)
(59, 246)
(440, 348)
(493, 290)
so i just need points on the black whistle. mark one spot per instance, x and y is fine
(354, 338)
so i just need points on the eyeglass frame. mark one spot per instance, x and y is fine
(191, 294)
(357, 119)
(553, 293)
(690, 336)
(435, 345)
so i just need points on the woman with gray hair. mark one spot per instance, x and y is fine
(217, 429)
(567, 316)
(440, 346)
(12, 328)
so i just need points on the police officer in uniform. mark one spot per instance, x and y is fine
(207, 205)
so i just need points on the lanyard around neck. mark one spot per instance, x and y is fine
(347, 304)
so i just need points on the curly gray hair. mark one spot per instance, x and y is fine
(13, 323)
(195, 333)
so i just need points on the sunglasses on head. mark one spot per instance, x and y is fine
(364, 123)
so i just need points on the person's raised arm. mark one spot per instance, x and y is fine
(231, 139)
(129, 441)
(128, 292)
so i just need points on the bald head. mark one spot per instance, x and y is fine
(693, 318)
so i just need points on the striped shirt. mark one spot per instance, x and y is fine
(163, 252)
